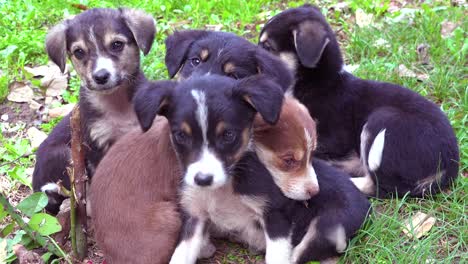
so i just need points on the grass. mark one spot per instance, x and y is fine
(23, 25)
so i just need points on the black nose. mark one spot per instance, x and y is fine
(101, 76)
(202, 179)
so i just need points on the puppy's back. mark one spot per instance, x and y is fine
(133, 198)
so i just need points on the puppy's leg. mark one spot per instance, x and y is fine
(278, 238)
(306, 240)
(191, 241)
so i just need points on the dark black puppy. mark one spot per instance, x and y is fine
(104, 46)
(316, 229)
(198, 52)
(391, 136)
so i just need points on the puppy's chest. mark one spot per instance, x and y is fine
(225, 209)
(114, 119)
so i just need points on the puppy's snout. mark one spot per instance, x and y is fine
(202, 179)
(101, 76)
(312, 189)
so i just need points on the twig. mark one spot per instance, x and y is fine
(78, 187)
(15, 160)
(44, 242)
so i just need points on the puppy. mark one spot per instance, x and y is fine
(199, 52)
(210, 120)
(396, 140)
(104, 47)
(333, 209)
(138, 203)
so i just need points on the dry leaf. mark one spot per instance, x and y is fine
(419, 225)
(381, 43)
(447, 28)
(214, 27)
(51, 78)
(34, 105)
(36, 136)
(4, 117)
(423, 54)
(3, 250)
(351, 68)
(61, 110)
(20, 93)
(363, 19)
(405, 72)
(25, 256)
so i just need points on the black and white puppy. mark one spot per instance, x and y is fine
(199, 52)
(396, 140)
(211, 119)
(104, 47)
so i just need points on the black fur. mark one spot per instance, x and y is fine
(183, 49)
(338, 202)
(419, 140)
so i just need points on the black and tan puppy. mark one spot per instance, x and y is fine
(199, 52)
(104, 47)
(398, 141)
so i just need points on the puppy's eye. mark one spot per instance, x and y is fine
(195, 61)
(117, 46)
(229, 136)
(181, 137)
(79, 53)
(289, 162)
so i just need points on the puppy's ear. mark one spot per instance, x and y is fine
(151, 100)
(310, 40)
(270, 65)
(56, 45)
(263, 94)
(143, 27)
(177, 46)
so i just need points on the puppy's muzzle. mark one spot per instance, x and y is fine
(101, 77)
(202, 179)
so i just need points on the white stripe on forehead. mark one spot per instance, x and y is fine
(202, 112)
(310, 142)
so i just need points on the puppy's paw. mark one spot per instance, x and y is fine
(207, 250)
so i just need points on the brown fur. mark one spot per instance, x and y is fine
(135, 207)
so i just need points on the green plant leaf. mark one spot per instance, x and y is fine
(44, 224)
(2, 212)
(19, 174)
(7, 230)
(47, 256)
(33, 203)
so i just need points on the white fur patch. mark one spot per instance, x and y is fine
(103, 63)
(364, 184)
(50, 187)
(289, 58)
(264, 37)
(376, 150)
(278, 251)
(338, 237)
(188, 250)
(364, 138)
(207, 164)
(202, 112)
(306, 240)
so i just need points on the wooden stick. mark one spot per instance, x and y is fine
(78, 187)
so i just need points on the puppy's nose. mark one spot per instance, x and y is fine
(101, 76)
(312, 189)
(203, 179)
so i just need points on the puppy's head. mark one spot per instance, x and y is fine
(103, 45)
(301, 37)
(286, 150)
(210, 119)
(198, 52)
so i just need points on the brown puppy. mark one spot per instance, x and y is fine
(133, 198)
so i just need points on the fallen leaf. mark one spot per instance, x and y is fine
(423, 54)
(34, 105)
(363, 19)
(214, 27)
(447, 28)
(27, 257)
(418, 225)
(52, 79)
(36, 136)
(20, 93)
(351, 68)
(4, 117)
(3, 250)
(381, 43)
(405, 72)
(342, 7)
(61, 110)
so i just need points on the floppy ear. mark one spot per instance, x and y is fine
(142, 26)
(310, 40)
(177, 46)
(56, 45)
(263, 94)
(270, 65)
(152, 100)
